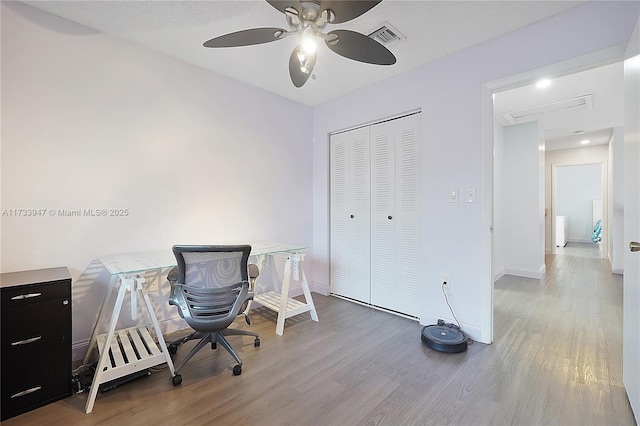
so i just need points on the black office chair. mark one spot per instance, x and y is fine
(210, 287)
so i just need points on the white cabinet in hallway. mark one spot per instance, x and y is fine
(562, 230)
(375, 173)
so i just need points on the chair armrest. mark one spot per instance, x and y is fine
(253, 272)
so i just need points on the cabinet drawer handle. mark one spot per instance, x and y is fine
(26, 296)
(26, 392)
(26, 341)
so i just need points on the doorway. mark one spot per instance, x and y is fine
(575, 68)
(578, 208)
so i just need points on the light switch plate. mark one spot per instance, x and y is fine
(453, 195)
(470, 195)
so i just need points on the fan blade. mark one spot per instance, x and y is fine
(361, 48)
(299, 76)
(345, 10)
(247, 37)
(282, 5)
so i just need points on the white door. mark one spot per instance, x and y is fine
(408, 244)
(383, 213)
(395, 218)
(350, 214)
(631, 281)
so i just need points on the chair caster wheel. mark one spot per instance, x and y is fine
(176, 380)
(237, 370)
(256, 343)
(172, 349)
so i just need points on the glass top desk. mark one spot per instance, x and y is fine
(264, 251)
(127, 348)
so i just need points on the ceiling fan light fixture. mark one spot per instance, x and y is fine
(308, 43)
(305, 61)
(307, 19)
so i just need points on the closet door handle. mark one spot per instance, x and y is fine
(26, 341)
(351, 216)
(389, 217)
(634, 246)
(26, 296)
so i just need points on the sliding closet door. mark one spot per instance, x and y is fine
(350, 214)
(395, 214)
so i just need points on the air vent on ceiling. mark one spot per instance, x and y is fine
(385, 34)
(530, 114)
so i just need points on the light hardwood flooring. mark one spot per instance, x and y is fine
(556, 360)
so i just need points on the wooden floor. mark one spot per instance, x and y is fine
(556, 360)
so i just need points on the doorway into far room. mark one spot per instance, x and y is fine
(579, 210)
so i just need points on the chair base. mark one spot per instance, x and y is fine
(213, 338)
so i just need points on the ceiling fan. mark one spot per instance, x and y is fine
(307, 19)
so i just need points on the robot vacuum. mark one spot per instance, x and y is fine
(444, 337)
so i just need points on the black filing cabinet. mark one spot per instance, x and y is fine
(36, 339)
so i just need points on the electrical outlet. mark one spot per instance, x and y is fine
(446, 279)
(153, 285)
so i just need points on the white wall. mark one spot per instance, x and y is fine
(523, 195)
(577, 187)
(450, 93)
(615, 209)
(597, 154)
(92, 121)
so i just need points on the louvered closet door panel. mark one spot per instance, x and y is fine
(339, 213)
(407, 218)
(383, 234)
(350, 243)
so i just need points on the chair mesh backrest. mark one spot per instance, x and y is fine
(212, 278)
(212, 269)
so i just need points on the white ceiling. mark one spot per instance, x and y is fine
(433, 29)
(567, 129)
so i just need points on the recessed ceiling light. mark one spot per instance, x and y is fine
(584, 142)
(543, 83)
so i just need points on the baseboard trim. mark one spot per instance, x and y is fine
(499, 273)
(320, 288)
(527, 273)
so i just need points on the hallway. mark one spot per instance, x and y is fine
(571, 323)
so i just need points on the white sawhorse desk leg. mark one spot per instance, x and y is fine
(285, 306)
(286, 310)
(135, 341)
